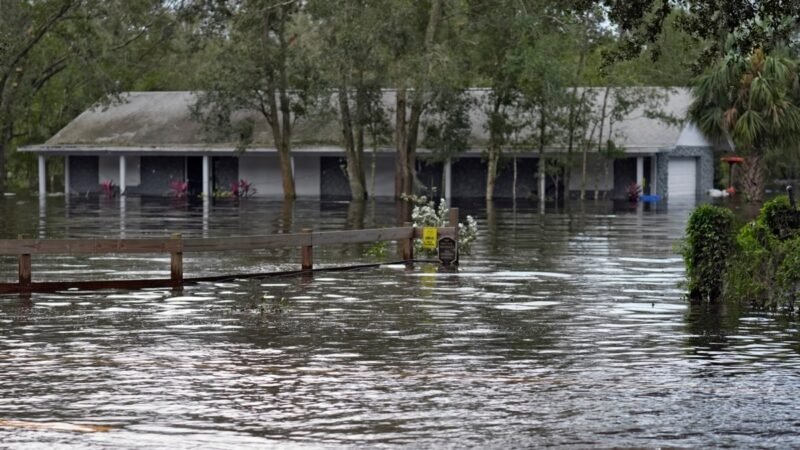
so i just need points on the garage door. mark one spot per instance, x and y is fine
(682, 180)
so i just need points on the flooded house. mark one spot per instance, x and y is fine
(147, 141)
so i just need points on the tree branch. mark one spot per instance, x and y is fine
(40, 33)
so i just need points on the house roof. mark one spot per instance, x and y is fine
(162, 122)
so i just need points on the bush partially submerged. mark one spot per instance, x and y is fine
(709, 244)
(761, 267)
(766, 270)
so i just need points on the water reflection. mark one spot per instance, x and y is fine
(563, 329)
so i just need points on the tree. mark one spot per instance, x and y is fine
(413, 72)
(262, 67)
(496, 29)
(447, 127)
(753, 100)
(354, 67)
(757, 23)
(59, 56)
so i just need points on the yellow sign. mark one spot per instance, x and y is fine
(429, 235)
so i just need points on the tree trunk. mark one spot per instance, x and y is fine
(417, 107)
(600, 143)
(409, 130)
(401, 165)
(5, 141)
(493, 157)
(283, 140)
(514, 183)
(493, 150)
(753, 176)
(355, 171)
(585, 160)
(542, 179)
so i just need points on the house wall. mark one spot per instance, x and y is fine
(705, 167)
(384, 175)
(624, 176)
(595, 176)
(527, 170)
(306, 176)
(108, 169)
(430, 177)
(157, 172)
(83, 174)
(263, 172)
(225, 172)
(333, 177)
(469, 178)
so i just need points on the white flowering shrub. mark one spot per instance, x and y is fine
(426, 214)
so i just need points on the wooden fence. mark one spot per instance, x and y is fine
(176, 246)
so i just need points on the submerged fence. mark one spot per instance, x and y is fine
(176, 246)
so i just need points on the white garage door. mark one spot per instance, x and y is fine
(682, 180)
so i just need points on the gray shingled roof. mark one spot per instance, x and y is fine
(162, 122)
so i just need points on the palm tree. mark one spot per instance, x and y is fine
(752, 100)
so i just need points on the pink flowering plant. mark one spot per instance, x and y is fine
(108, 187)
(242, 189)
(178, 188)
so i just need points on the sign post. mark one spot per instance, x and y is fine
(448, 251)
(429, 235)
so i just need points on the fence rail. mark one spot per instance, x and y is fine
(176, 246)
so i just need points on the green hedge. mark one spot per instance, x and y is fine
(757, 265)
(708, 246)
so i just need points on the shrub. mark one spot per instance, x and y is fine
(178, 188)
(781, 218)
(242, 189)
(765, 270)
(708, 246)
(426, 214)
(108, 187)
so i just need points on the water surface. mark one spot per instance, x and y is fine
(564, 328)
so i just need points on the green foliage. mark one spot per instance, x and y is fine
(754, 100)
(709, 244)
(780, 218)
(427, 214)
(766, 269)
(58, 57)
(377, 250)
(447, 126)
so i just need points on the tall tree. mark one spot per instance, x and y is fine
(354, 65)
(87, 47)
(709, 21)
(753, 100)
(262, 67)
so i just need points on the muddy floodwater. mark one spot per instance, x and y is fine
(565, 327)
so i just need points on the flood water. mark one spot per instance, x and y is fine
(564, 328)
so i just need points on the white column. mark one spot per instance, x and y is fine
(122, 171)
(66, 176)
(640, 171)
(42, 176)
(42, 217)
(122, 217)
(448, 180)
(206, 177)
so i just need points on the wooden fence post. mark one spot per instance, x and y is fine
(24, 271)
(453, 219)
(176, 264)
(307, 253)
(407, 246)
